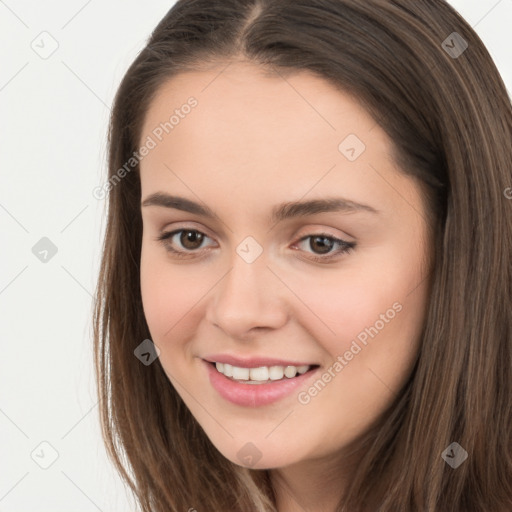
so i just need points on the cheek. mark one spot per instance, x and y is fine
(379, 298)
(171, 297)
(162, 305)
(377, 319)
(343, 302)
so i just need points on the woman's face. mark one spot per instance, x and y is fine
(264, 283)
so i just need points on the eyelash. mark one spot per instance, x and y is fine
(345, 247)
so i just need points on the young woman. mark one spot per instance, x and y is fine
(305, 298)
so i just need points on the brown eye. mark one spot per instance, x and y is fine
(183, 242)
(191, 239)
(324, 247)
(323, 244)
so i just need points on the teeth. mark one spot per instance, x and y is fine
(276, 372)
(240, 373)
(260, 374)
(228, 370)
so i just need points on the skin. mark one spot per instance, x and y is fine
(252, 142)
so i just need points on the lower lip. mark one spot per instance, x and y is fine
(254, 395)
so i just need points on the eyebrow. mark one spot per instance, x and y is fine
(279, 212)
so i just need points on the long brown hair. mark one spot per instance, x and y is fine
(446, 108)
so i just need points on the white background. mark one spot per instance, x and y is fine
(54, 115)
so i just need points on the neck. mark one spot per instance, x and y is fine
(312, 485)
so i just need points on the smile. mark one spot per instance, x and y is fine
(260, 375)
(270, 383)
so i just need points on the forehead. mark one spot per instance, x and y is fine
(253, 110)
(260, 132)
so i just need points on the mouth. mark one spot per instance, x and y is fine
(261, 374)
(258, 386)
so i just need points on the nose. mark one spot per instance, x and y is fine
(249, 298)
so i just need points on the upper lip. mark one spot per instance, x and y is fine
(252, 362)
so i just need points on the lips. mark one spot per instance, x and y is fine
(247, 395)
